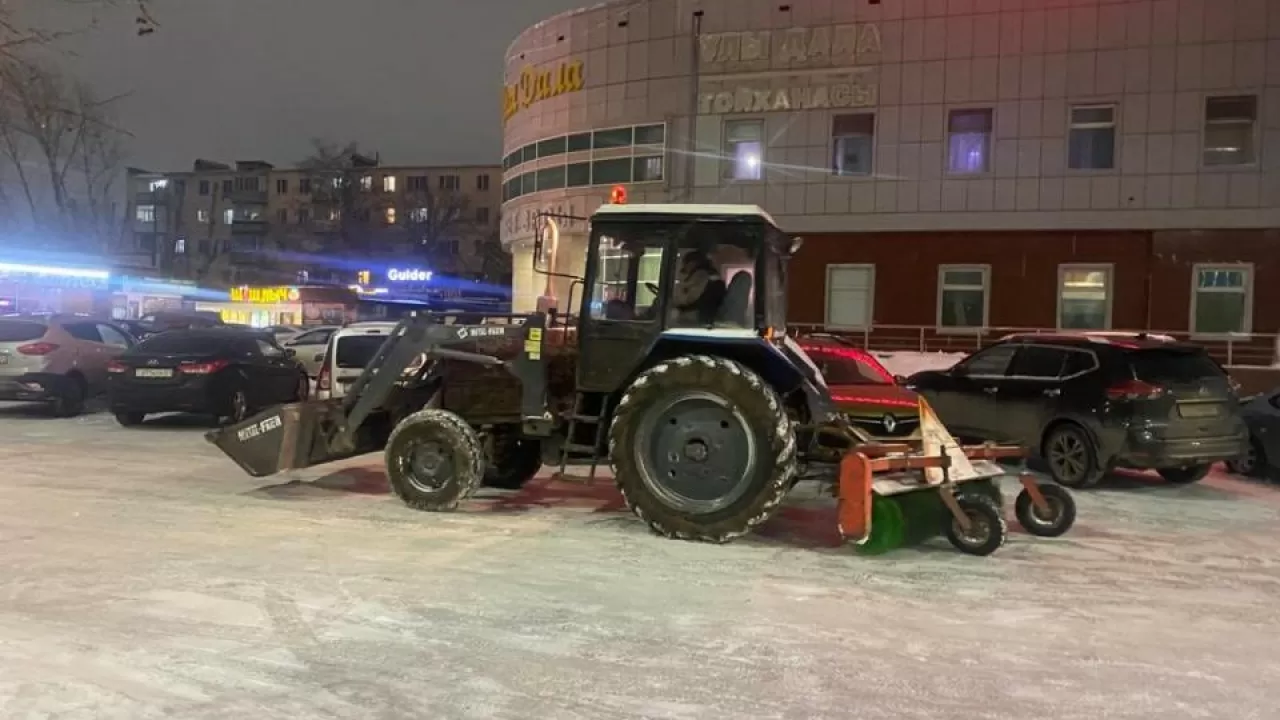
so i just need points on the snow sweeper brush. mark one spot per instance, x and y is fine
(891, 496)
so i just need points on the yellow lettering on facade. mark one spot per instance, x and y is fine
(825, 45)
(535, 85)
(264, 295)
(855, 93)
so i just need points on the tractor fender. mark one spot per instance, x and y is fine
(746, 347)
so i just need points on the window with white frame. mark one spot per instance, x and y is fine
(202, 216)
(1221, 299)
(145, 213)
(1084, 297)
(969, 141)
(852, 143)
(744, 149)
(1230, 129)
(366, 182)
(850, 295)
(962, 296)
(388, 183)
(228, 216)
(1091, 141)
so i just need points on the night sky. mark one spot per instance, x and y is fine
(417, 80)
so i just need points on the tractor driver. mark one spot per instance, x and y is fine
(699, 290)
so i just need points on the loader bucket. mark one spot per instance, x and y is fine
(285, 437)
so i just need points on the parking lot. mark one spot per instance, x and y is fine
(146, 577)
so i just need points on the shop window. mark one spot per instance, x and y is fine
(969, 141)
(579, 142)
(852, 143)
(610, 172)
(647, 169)
(1084, 297)
(963, 296)
(1091, 142)
(551, 147)
(551, 178)
(744, 149)
(578, 174)
(850, 295)
(651, 134)
(1230, 130)
(145, 213)
(1222, 299)
(615, 138)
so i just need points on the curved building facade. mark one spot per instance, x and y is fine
(952, 164)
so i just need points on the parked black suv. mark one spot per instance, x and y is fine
(1087, 403)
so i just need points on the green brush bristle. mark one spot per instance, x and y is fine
(903, 520)
(887, 527)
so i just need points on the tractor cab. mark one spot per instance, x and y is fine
(679, 274)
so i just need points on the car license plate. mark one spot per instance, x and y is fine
(1197, 410)
(153, 373)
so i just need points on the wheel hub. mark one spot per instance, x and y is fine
(429, 466)
(698, 453)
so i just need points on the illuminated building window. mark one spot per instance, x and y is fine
(389, 215)
(366, 182)
(145, 213)
(388, 183)
(1084, 297)
(744, 149)
(202, 216)
(969, 141)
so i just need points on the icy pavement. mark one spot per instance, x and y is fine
(145, 577)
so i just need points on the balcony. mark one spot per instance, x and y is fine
(152, 197)
(248, 197)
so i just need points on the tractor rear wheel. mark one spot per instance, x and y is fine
(434, 460)
(702, 449)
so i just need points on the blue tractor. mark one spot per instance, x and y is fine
(673, 366)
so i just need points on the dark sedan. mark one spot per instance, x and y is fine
(1262, 415)
(226, 373)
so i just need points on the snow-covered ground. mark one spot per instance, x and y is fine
(145, 577)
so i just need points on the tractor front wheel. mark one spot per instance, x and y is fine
(434, 460)
(702, 449)
(1054, 520)
(987, 530)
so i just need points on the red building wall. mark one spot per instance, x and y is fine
(1151, 273)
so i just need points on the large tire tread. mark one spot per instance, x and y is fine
(735, 381)
(468, 458)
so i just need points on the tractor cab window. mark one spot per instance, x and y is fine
(714, 284)
(626, 280)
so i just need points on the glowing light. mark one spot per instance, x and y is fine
(618, 195)
(54, 271)
(862, 357)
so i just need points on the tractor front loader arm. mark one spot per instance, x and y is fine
(305, 434)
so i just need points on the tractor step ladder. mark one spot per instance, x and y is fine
(571, 449)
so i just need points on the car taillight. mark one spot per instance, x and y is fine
(1134, 390)
(323, 381)
(115, 366)
(40, 348)
(202, 368)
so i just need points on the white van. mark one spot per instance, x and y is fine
(349, 350)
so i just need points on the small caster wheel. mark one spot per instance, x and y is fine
(987, 530)
(1054, 520)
